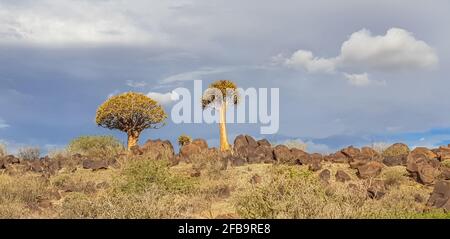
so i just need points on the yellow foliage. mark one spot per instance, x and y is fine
(130, 112)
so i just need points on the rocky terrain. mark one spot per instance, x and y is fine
(229, 182)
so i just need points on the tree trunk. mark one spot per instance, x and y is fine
(133, 138)
(224, 146)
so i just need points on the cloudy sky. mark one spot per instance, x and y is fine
(349, 72)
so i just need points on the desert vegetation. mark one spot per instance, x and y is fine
(97, 177)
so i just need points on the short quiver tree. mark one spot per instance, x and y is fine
(131, 113)
(184, 139)
(218, 95)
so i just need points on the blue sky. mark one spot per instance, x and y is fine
(349, 72)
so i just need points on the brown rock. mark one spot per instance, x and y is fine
(440, 197)
(445, 173)
(264, 142)
(251, 141)
(200, 143)
(342, 176)
(224, 192)
(299, 156)
(95, 164)
(351, 152)
(315, 167)
(283, 155)
(358, 161)
(256, 179)
(195, 173)
(370, 169)
(189, 149)
(11, 159)
(395, 154)
(423, 165)
(428, 174)
(240, 141)
(325, 175)
(443, 153)
(376, 190)
(370, 153)
(337, 157)
(158, 146)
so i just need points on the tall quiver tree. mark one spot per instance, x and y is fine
(131, 113)
(218, 95)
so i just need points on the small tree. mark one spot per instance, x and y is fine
(131, 113)
(184, 139)
(218, 95)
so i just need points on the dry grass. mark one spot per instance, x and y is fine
(143, 187)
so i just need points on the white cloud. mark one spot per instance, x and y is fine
(306, 60)
(194, 75)
(3, 124)
(72, 22)
(135, 84)
(396, 50)
(164, 98)
(358, 79)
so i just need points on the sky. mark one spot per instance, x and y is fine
(349, 72)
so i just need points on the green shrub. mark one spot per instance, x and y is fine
(95, 146)
(29, 153)
(446, 163)
(138, 175)
(184, 139)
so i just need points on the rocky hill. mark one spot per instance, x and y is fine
(365, 170)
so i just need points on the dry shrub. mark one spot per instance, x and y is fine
(155, 203)
(380, 147)
(394, 176)
(298, 144)
(19, 193)
(58, 153)
(208, 163)
(3, 151)
(295, 193)
(29, 153)
(23, 189)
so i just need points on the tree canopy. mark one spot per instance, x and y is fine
(130, 112)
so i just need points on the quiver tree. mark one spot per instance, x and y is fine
(184, 139)
(131, 113)
(218, 95)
